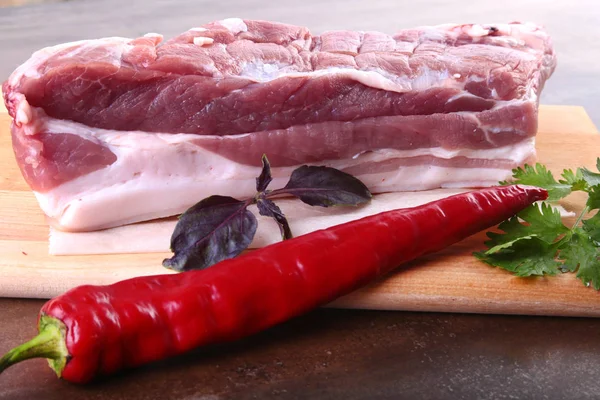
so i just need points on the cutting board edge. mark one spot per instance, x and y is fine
(445, 301)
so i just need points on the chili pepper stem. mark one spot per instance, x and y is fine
(49, 343)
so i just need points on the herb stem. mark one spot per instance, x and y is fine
(276, 193)
(583, 213)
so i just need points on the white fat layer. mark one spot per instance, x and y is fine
(203, 41)
(432, 33)
(428, 78)
(23, 115)
(372, 77)
(527, 33)
(379, 79)
(158, 175)
(235, 25)
(154, 236)
(260, 71)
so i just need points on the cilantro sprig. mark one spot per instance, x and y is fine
(536, 242)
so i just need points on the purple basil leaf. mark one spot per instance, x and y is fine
(215, 229)
(269, 209)
(324, 186)
(265, 177)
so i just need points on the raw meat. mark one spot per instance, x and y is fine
(155, 236)
(113, 131)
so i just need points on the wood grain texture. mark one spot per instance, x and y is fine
(451, 280)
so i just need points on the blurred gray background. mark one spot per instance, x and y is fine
(27, 25)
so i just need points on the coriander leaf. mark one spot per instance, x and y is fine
(324, 186)
(581, 254)
(593, 201)
(575, 179)
(592, 227)
(541, 177)
(215, 229)
(503, 244)
(265, 177)
(543, 222)
(536, 246)
(269, 209)
(526, 257)
(592, 178)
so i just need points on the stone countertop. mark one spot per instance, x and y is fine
(346, 354)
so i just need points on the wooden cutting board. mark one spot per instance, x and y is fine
(450, 281)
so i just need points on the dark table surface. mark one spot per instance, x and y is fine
(335, 354)
(347, 354)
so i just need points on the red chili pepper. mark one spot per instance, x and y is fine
(97, 330)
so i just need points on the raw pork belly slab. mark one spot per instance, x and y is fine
(114, 131)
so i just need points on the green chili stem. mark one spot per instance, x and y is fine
(49, 343)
